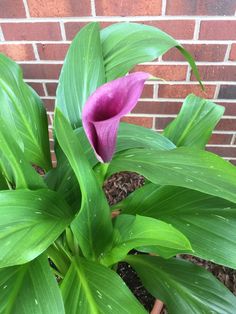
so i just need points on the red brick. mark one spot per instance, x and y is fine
(223, 125)
(31, 31)
(233, 161)
(218, 30)
(51, 88)
(232, 55)
(143, 121)
(18, 52)
(166, 72)
(200, 52)
(41, 71)
(155, 107)
(50, 134)
(162, 122)
(199, 7)
(182, 91)
(12, 9)
(223, 139)
(52, 8)
(147, 91)
(52, 51)
(128, 7)
(38, 87)
(230, 108)
(216, 73)
(223, 151)
(54, 159)
(227, 92)
(72, 28)
(179, 29)
(49, 104)
(226, 125)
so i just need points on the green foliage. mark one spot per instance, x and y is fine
(184, 287)
(59, 243)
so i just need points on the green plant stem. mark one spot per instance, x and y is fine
(101, 171)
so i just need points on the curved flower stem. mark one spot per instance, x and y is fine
(101, 171)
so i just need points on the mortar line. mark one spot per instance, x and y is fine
(27, 12)
(1, 35)
(36, 54)
(233, 139)
(197, 29)
(93, 8)
(118, 18)
(227, 53)
(163, 8)
(63, 32)
(45, 90)
(216, 94)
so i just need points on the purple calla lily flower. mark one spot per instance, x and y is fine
(104, 109)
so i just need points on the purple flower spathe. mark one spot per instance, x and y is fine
(104, 109)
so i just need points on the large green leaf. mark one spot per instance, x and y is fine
(126, 44)
(30, 222)
(82, 73)
(92, 61)
(62, 178)
(208, 222)
(134, 232)
(184, 166)
(194, 123)
(134, 136)
(92, 288)
(13, 163)
(30, 288)
(92, 227)
(182, 286)
(23, 114)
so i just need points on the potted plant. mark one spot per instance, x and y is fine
(59, 244)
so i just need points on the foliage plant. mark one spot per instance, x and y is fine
(59, 244)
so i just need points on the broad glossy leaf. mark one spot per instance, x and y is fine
(82, 73)
(92, 288)
(133, 136)
(62, 178)
(186, 167)
(183, 286)
(30, 288)
(137, 231)
(30, 222)
(195, 122)
(23, 114)
(92, 227)
(15, 167)
(126, 44)
(208, 222)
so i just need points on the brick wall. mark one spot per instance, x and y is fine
(37, 33)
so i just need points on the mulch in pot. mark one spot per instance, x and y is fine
(118, 187)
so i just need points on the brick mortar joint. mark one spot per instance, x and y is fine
(118, 18)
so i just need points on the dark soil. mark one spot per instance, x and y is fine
(118, 187)
(133, 282)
